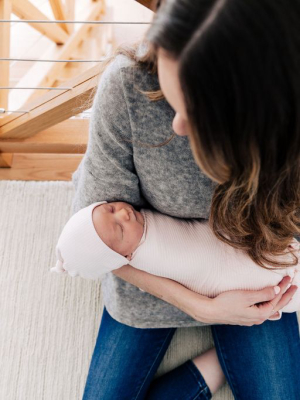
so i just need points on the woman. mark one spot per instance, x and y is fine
(229, 73)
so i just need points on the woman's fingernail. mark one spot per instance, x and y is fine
(276, 289)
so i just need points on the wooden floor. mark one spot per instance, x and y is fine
(26, 42)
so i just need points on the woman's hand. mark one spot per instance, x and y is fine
(235, 307)
(248, 307)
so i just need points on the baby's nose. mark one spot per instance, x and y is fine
(124, 214)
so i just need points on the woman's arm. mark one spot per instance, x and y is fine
(166, 289)
(235, 307)
(107, 170)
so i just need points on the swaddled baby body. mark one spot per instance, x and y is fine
(105, 236)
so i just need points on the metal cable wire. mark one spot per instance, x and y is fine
(36, 88)
(58, 21)
(3, 111)
(44, 60)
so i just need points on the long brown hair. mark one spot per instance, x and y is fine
(239, 73)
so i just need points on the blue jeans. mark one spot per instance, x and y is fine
(261, 362)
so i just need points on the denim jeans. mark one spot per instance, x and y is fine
(261, 362)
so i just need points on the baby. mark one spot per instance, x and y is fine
(105, 236)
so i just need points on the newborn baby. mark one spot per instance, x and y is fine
(105, 236)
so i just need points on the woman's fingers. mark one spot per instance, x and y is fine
(276, 316)
(250, 307)
(268, 308)
(284, 284)
(286, 298)
(269, 293)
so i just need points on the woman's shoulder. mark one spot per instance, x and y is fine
(125, 73)
(120, 62)
(111, 97)
(121, 90)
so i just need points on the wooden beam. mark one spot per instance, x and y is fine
(151, 4)
(67, 137)
(41, 167)
(26, 10)
(5, 12)
(70, 13)
(59, 12)
(6, 160)
(53, 107)
(45, 74)
(104, 6)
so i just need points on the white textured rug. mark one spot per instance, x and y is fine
(49, 323)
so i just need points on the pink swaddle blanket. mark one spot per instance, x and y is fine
(186, 251)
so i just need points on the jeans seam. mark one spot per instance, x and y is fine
(141, 387)
(202, 390)
(230, 381)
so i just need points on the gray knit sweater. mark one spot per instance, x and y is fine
(165, 178)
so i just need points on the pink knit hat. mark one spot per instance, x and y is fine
(81, 252)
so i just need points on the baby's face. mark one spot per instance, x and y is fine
(119, 225)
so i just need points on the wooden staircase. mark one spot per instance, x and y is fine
(31, 148)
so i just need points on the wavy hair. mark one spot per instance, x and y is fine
(239, 73)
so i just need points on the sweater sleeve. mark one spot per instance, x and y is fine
(107, 170)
